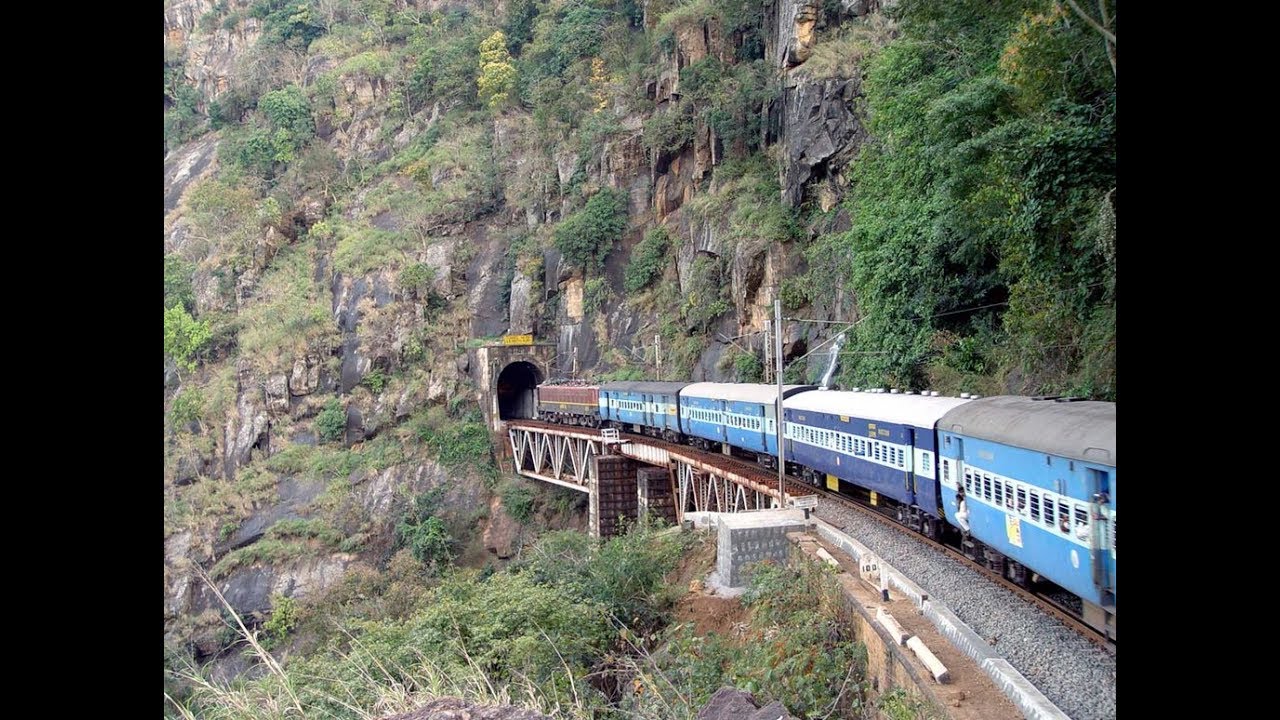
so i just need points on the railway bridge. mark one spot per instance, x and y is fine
(627, 475)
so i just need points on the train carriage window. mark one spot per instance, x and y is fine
(986, 487)
(1035, 506)
(946, 471)
(968, 481)
(999, 493)
(1022, 500)
(1064, 517)
(1082, 522)
(1048, 511)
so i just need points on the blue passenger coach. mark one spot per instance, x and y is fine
(881, 442)
(739, 414)
(1037, 477)
(651, 407)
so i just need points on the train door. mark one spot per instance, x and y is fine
(1100, 510)
(960, 476)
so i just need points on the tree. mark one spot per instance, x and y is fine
(184, 337)
(497, 73)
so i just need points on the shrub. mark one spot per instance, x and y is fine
(416, 279)
(424, 533)
(375, 380)
(177, 283)
(748, 368)
(331, 423)
(585, 237)
(455, 443)
(594, 294)
(188, 406)
(284, 617)
(184, 337)
(517, 498)
(648, 260)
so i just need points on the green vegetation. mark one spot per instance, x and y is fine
(587, 236)
(648, 260)
(535, 633)
(366, 148)
(415, 280)
(424, 533)
(182, 118)
(188, 406)
(708, 295)
(594, 294)
(177, 283)
(748, 368)
(331, 422)
(290, 315)
(184, 336)
(985, 210)
(454, 441)
(795, 648)
(376, 379)
(284, 617)
(497, 73)
(747, 202)
(517, 500)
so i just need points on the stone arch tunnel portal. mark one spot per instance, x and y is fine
(515, 388)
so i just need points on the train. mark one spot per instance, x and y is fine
(1025, 485)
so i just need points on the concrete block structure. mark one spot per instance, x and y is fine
(751, 537)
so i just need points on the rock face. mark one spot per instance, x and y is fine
(211, 50)
(502, 532)
(183, 166)
(731, 704)
(248, 428)
(820, 132)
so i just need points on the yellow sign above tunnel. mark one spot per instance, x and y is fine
(517, 339)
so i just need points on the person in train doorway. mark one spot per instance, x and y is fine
(962, 509)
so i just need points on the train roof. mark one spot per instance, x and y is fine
(914, 410)
(1082, 430)
(644, 386)
(742, 392)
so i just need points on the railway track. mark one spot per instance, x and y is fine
(1045, 604)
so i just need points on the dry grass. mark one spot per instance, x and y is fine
(841, 54)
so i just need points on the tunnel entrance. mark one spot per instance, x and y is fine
(515, 390)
